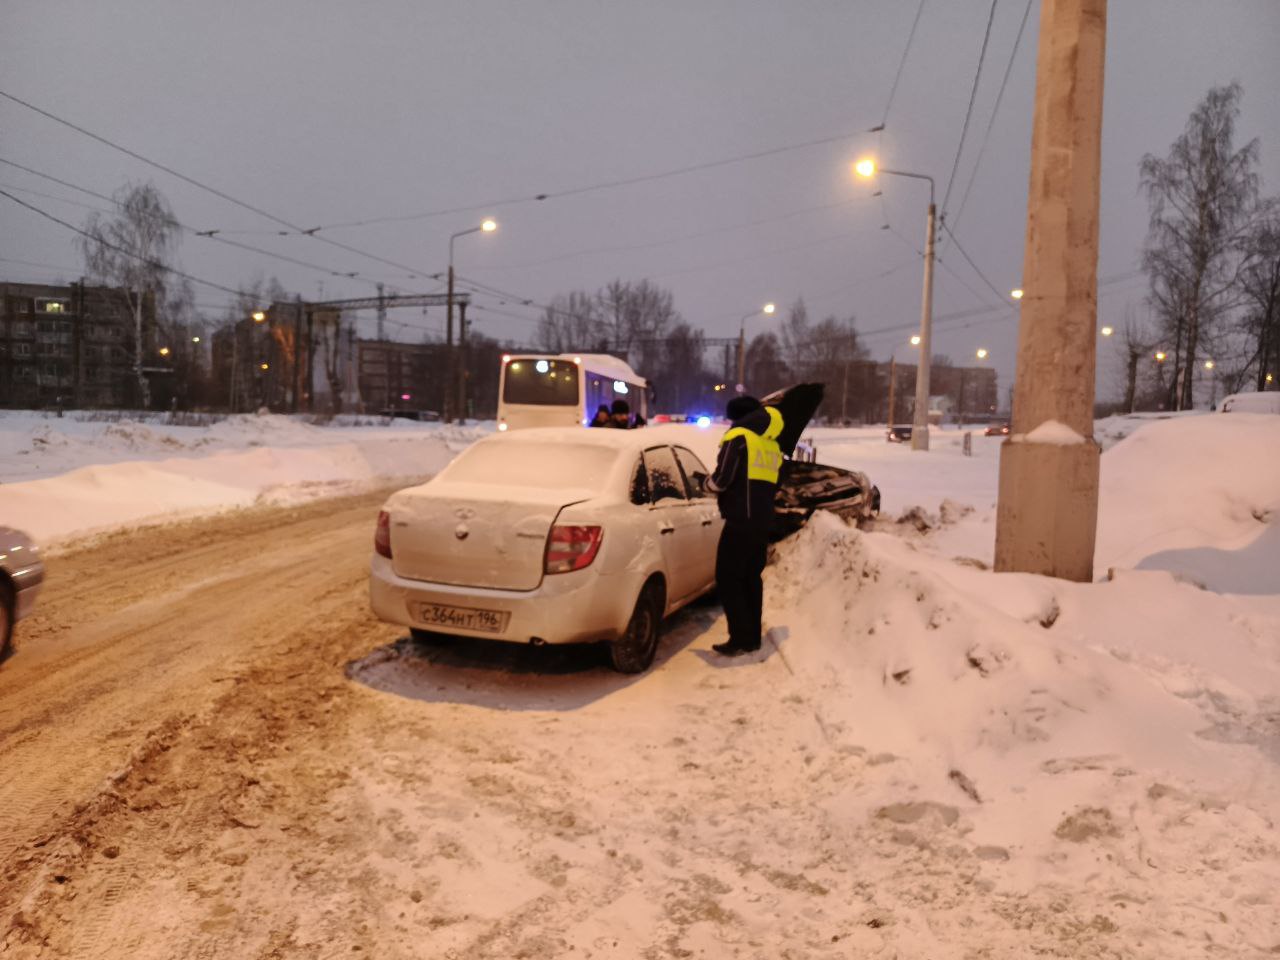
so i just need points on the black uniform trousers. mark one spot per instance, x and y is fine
(740, 561)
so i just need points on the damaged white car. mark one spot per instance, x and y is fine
(555, 535)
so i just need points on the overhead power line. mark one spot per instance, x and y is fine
(203, 234)
(976, 269)
(208, 189)
(127, 252)
(973, 94)
(1026, 12)
(884, 119)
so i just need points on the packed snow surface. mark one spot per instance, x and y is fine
(1009, 763)
(65, 477)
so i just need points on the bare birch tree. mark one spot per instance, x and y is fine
(1202, 196)
(131, 250)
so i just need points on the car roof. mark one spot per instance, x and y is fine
(675, 434)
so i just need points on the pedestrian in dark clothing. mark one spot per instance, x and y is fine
(620, 417)
(745, 481)
(601, 419)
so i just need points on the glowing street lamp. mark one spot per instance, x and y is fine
(1016, 293)
(1208, 364)
(264, 366)
(1108, 331)
(768, 310)
(982, 353)
(259, 316)
(867, 168)
(915, 339)
(1269, 378)
(164, 351)
(195, 339)
(1161, 356)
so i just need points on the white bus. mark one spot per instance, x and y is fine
(561, 390)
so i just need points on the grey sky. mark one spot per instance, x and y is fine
(323, 112)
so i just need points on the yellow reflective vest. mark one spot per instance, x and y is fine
(764, 456)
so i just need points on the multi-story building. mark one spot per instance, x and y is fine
(69, 345)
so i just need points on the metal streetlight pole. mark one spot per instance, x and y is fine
(767, 309)
(920, 422)
(451, 375)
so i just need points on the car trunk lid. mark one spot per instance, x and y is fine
(475, 536)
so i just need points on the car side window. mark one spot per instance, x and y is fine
(639, 484)
(694, 473)
(665, 481)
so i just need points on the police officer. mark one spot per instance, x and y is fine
(745, 481)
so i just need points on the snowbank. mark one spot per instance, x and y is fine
(76, 478)
(1077, 737)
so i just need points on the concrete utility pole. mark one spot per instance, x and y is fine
(920, 421)
(448, 346)
(1048, 510)
(462, 363)
(382, 314)
(893, 384)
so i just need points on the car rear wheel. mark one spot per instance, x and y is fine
(633, 651)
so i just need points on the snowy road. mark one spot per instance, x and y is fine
(211, 750)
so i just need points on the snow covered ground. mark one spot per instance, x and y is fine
(67, 477)
(974, 764)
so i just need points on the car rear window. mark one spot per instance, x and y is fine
(544, 382)
(546, 466)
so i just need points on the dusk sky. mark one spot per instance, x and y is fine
(323, 113)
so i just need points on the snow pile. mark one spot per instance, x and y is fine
(1051, 433)
(1078, 737)
(76, 478)
(1195, 495)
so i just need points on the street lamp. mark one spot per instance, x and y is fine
(487, 225)
(767, 310)
(982, 353)
(1016, 293)
(259, 316)
(195, 339)
(1160, 356)
(164, 351)
(867, 168)
(1108, 331)
(915, 339)
(1208, 364)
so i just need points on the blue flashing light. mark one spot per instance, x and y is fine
(704, 421)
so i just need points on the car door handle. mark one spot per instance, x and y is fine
(708, 521)
(665, 530)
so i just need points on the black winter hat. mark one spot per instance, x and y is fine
(739, 407)
(621, 406)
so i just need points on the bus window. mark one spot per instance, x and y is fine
(541, 382)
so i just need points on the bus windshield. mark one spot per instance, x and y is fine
(543, 382)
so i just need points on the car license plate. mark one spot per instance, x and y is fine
(464, 618)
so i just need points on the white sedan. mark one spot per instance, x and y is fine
(557, 535)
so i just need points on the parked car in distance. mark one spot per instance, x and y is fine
(898, 434)
(21, 574)
(1268, 402)
(552, 535)
(997, 430)
(424, 415)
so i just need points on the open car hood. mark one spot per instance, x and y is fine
(797, 405)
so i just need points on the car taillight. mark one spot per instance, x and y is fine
(572, 547)
(382, 535)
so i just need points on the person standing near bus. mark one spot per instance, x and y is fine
(745, 482)
(601, 419)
